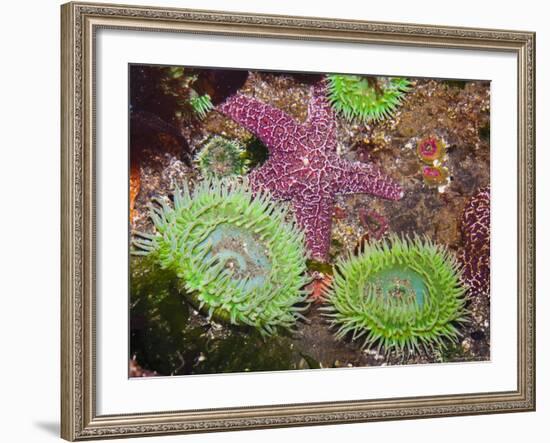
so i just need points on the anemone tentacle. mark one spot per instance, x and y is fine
(240, 259)
(201, 104)
(401, 294)
(364, 99)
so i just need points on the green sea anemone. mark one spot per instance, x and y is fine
(364, 98)
(221, 157)
(400, 294)
(236, 253)
(201, 104)
(182, 84)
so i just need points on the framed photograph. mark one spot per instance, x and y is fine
(282, 221)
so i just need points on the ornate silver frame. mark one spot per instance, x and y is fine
(80, 21)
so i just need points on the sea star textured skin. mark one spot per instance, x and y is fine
(303, 165)
(476, 234)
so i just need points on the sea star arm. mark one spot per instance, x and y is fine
(319, 108)
(266, 178)
(271, 125)
(365, 178)
(320, 123)
(314, 216)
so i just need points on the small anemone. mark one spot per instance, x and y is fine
(364, 99)
(181, 84)
(201, 104)
(435, 175)
(430, 149)
(400, 294)
(238, 256)
(220, 157)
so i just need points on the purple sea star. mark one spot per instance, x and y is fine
(476, 235)
(303, 165)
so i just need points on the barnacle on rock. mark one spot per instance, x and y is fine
(400, 294)
(235, 251)
(221, 157)
(365, 98)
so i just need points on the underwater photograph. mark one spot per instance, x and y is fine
(290, 220)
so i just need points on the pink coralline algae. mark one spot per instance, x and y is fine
(303, 165)
(376, 223)
(476, 231)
